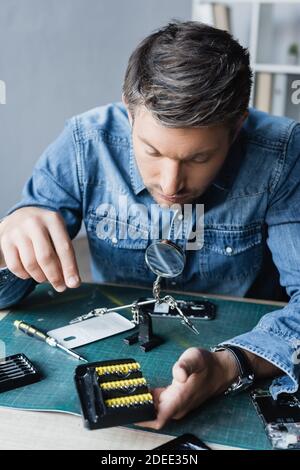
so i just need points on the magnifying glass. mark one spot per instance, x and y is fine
(165, 258)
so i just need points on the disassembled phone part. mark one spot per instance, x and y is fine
(281, 418)
(187, 442)
(199, 309)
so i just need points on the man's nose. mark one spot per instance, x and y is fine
(171, 180)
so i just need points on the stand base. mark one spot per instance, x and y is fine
(145, 346)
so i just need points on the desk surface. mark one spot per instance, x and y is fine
(50, 430)
(41, 430)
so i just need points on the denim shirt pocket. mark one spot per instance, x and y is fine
(119, 247)
(231, 252)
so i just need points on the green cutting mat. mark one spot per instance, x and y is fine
(230, 421)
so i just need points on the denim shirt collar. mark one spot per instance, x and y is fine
(135, 176)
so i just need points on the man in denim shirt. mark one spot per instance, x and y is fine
(183, 134)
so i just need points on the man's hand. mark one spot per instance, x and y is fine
(197, 376)
(35, 244)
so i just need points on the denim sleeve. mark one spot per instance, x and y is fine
(277, 336)
(54, 185)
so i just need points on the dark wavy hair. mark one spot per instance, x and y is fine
(189, 74)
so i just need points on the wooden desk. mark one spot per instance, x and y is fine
(47, 430)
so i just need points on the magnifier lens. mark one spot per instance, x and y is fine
(165, 258)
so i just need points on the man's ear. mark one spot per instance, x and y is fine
(127, 108)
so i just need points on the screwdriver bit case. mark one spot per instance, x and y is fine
(113, 393)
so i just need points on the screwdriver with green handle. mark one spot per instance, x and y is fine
(35, 333)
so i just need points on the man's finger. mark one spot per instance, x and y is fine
(13, 261)
(64, 249)
(156, 392)
(28, 259)
(167, 407)
(47, 258)
(190, 361)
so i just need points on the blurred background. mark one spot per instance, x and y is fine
(62, 57)
(59, 58)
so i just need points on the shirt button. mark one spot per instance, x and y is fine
(114, 240)
(180, 217)
(173, 283)
(228, 250)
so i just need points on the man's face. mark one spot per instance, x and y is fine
(177, 165)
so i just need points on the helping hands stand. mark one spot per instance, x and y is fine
(165, 259)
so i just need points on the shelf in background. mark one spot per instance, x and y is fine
(272, 68)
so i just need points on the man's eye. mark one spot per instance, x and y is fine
(152, 154)
(201, 159)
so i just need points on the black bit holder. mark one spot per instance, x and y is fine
(113, 393)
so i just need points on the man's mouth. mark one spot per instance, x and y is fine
(177, 198)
